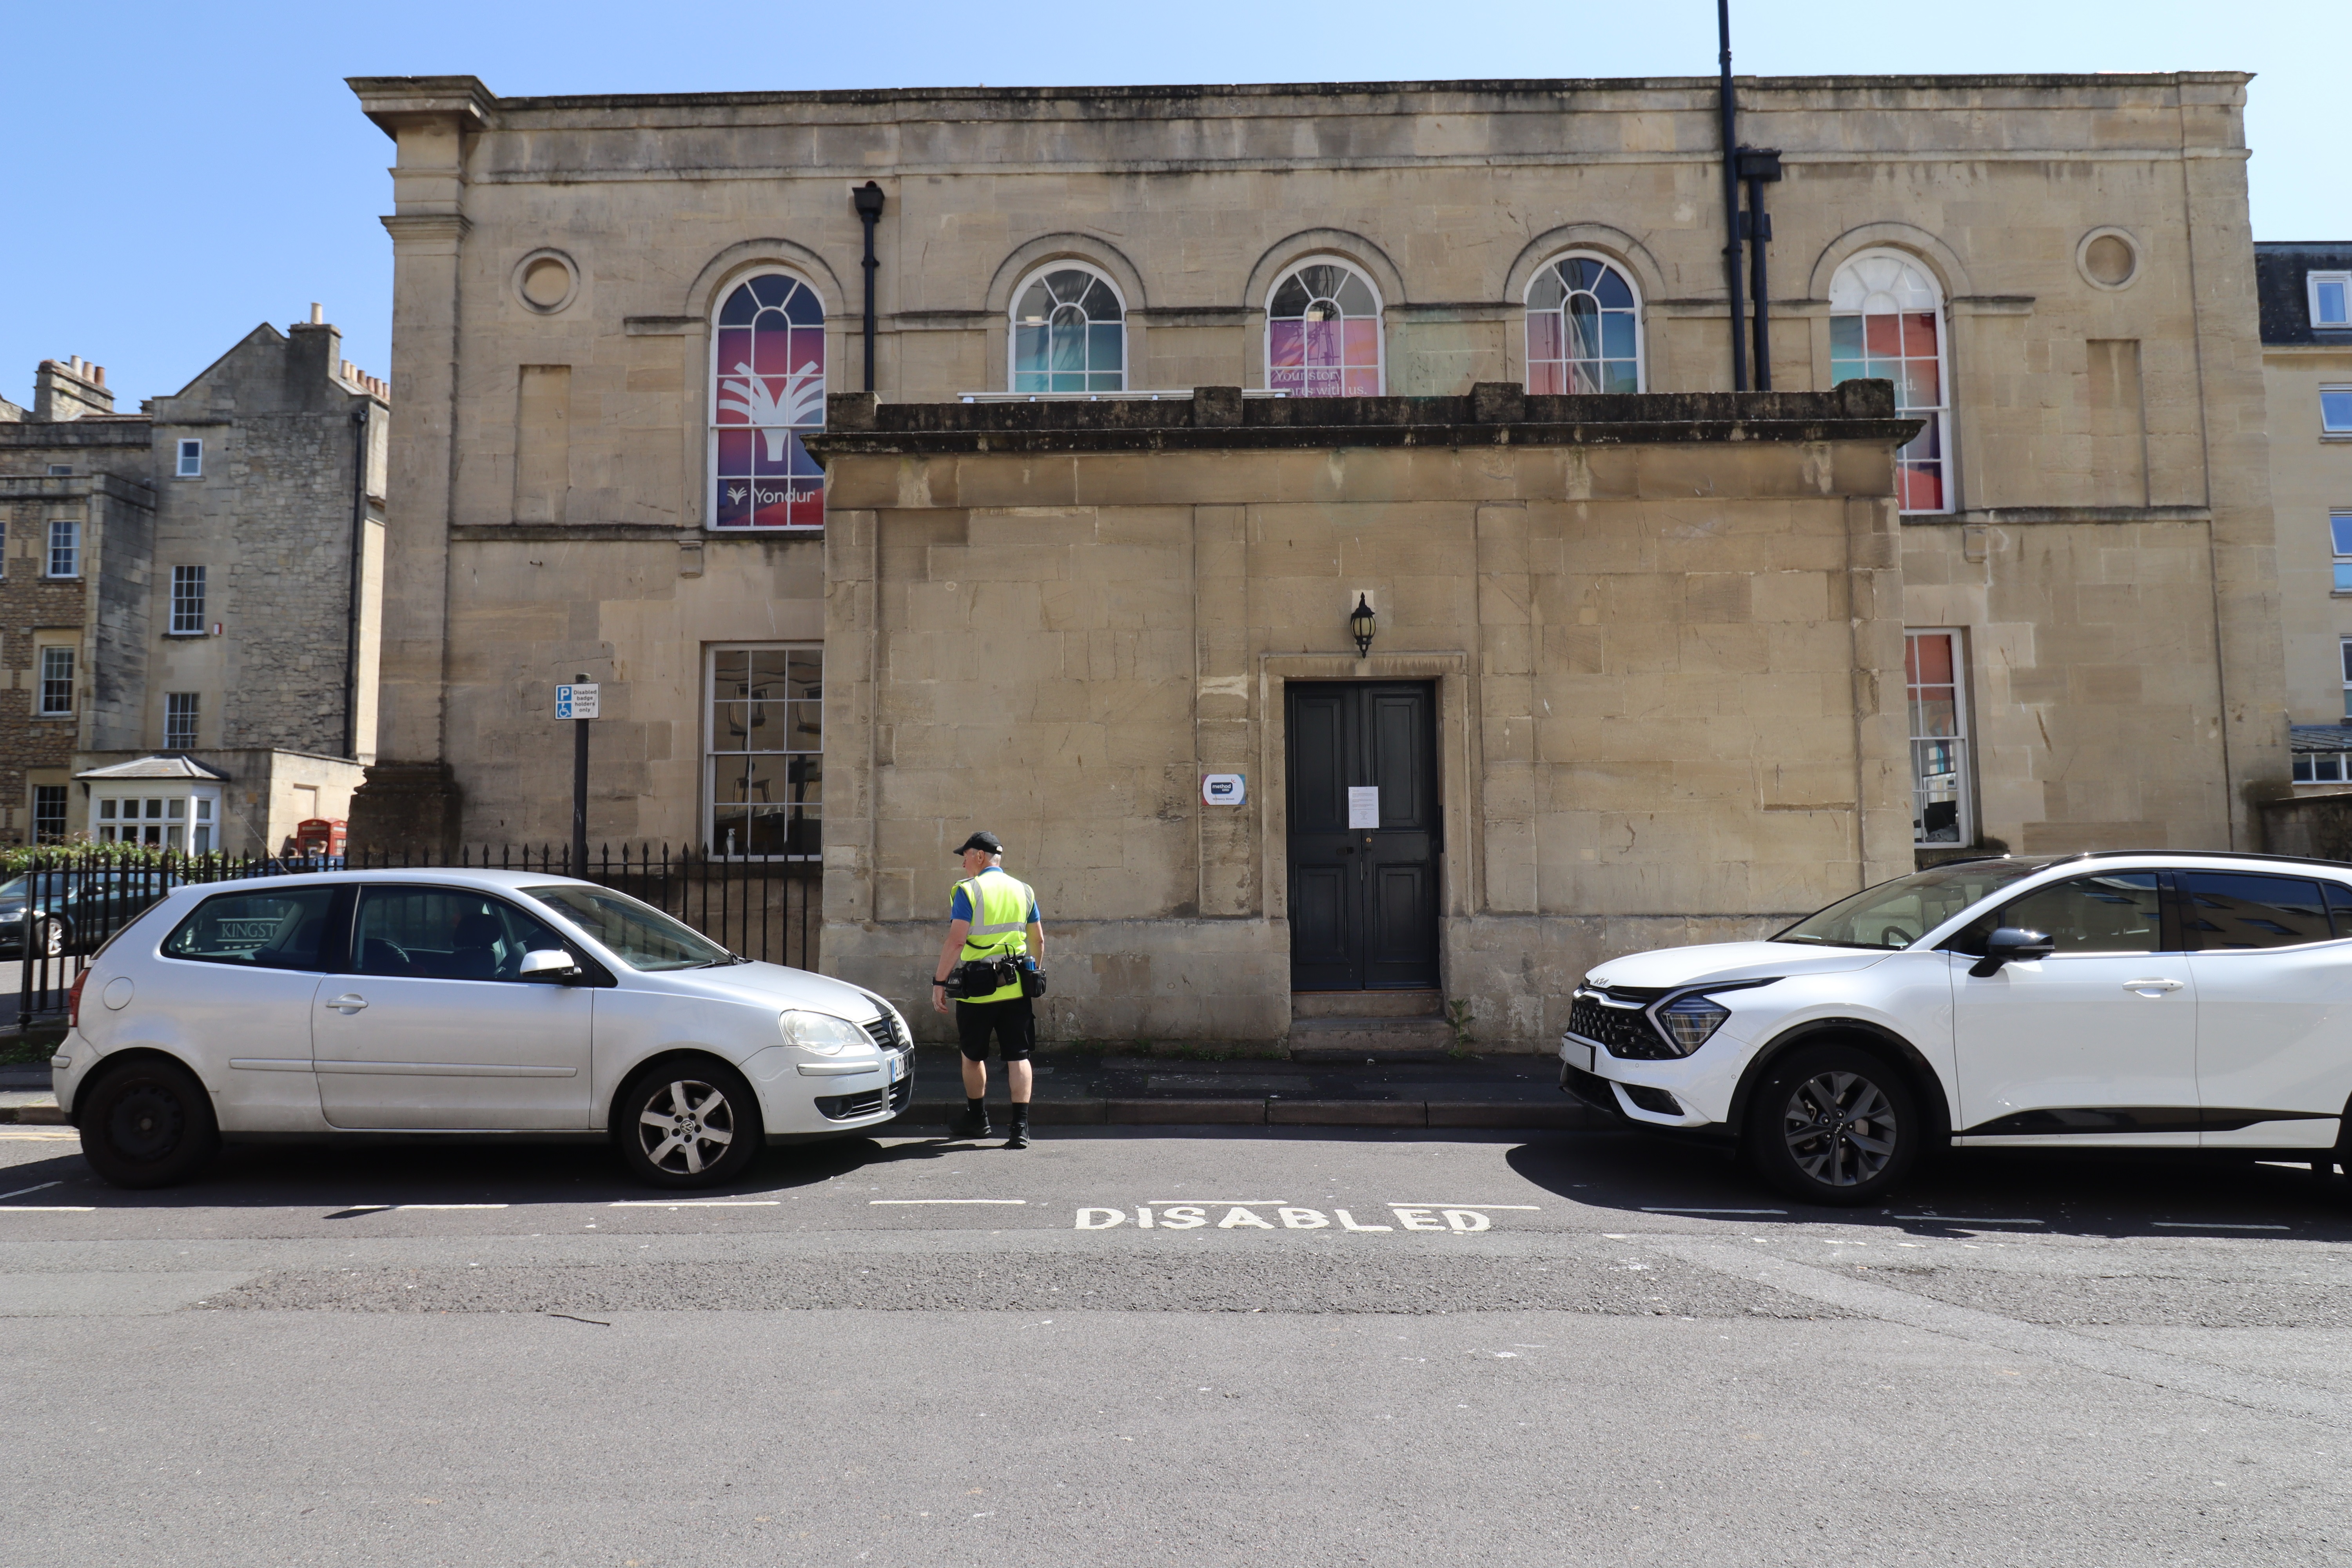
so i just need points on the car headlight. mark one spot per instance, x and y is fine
(821, 1034)
(1689, 1020)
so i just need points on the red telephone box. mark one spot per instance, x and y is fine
(319, 835)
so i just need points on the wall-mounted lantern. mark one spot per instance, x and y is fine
(1361, 625)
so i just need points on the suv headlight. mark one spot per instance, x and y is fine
(821, 1034)
(1687, 1021)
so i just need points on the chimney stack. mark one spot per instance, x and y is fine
(70, 388)
(318, 314)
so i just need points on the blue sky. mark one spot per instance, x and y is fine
(175, 175)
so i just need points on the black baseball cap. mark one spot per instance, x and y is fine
(987, 842)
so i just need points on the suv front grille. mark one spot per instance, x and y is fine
(1625, 1031)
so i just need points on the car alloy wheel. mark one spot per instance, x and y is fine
(687, 1128)
(1833, 1123)
(1840, 1130)
(49, 939)
(689, 1124)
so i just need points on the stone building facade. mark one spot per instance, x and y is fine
(2307, 326)
(617, 321)
(195, 584)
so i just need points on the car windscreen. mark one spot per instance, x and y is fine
(1895, 914)
(640, 936)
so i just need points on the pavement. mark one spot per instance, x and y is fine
(1328, 1346)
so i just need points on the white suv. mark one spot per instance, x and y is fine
(2158, 1000)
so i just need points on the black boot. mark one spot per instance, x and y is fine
(972, 1123)
(1020, 1138)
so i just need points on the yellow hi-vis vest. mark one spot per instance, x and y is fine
(999, 924)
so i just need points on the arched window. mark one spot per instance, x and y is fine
(1323, 332)
(1069, 332)
(1584, 327)
(767, 385)
(1887, 324)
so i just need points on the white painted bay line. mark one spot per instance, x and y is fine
(1660, 1208)
(907, 1203)
(49, 1208)
(406, 1206)
(20, 1192)
(697, 1203)
(2210, 1225)
(1531, 1208)
(1965, 1219)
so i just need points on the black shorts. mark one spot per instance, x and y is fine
(1012, 1020)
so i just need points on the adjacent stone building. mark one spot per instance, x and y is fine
(1167, 382)
(2307, 326)
(192, 597)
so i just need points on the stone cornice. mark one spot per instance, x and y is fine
(393, 101)
(1221, 419)
(408, 227)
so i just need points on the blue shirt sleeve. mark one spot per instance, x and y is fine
(1035, 917)
(959, 906)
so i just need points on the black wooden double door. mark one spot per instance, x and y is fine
(1363, 897)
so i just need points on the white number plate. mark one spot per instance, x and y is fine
(1576, 1055)
(898, 1065)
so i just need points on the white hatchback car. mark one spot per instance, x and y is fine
(2163, 1000)
(350, 1005)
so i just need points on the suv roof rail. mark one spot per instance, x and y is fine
(2208, 855)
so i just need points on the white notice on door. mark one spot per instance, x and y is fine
(1364, 807)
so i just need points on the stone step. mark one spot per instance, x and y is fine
(1367, 1003)
(1372, 1039)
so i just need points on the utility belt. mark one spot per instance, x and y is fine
(985, 976)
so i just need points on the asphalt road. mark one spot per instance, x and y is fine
(1570, 1348)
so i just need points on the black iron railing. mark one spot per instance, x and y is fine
(58, 907)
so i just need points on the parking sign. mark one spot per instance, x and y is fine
(577, 701)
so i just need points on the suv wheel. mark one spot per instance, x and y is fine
(687, 1124)
(49, 938)
(1833, 1124)
(147, 1124)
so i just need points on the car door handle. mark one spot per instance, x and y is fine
(2146, 986)
(348, 1004)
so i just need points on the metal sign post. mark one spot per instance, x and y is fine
(578, 703)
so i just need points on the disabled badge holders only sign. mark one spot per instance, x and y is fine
(577, 701)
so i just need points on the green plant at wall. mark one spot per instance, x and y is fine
(1459, 1018)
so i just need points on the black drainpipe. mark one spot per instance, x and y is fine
(869, 197)
(1760, 166)
(358, 557)
(1731, 205)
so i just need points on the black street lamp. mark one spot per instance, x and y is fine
(1361, 625)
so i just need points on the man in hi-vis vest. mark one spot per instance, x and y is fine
(991, 916)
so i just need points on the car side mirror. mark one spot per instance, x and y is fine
(548, 964)
(2011, 944)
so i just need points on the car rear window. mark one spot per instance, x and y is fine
(277, 928)
(2230, 909)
